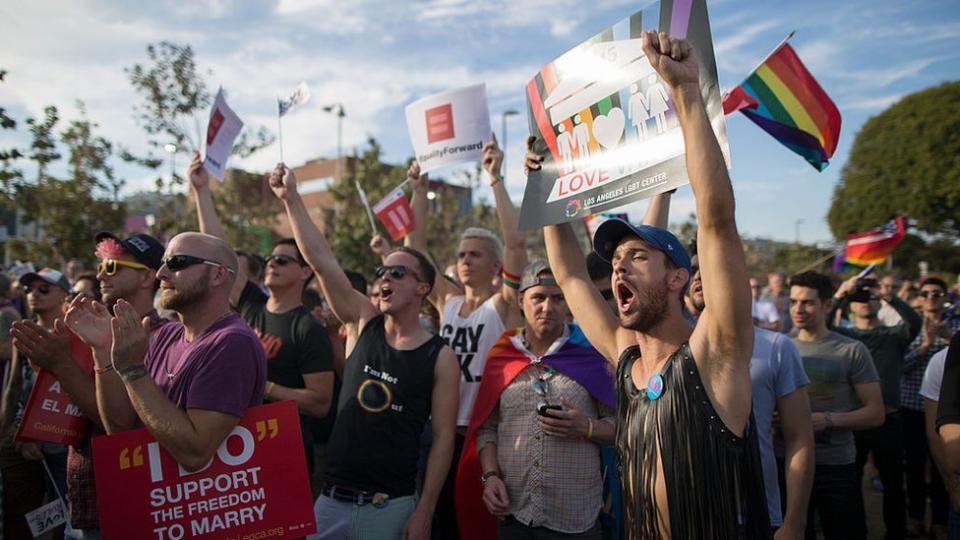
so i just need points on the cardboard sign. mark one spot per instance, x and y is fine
(396, 214)
(256, 485)
(50, 416)
(450, 127)
(47, 517)
(222, 130)
(606, 122)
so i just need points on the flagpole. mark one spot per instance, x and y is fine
(821, 260)
(280, 129)
(366, 205)
(767, 57)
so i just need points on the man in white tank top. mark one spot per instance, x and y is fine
(474, 316)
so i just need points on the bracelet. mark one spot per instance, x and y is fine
(486, 476)
(589, 428)
(102, 370)
(510, 280)
(132, 373)
(828, 418)
(496, 180)
(270, 386)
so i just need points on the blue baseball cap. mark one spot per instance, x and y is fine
(611, 231)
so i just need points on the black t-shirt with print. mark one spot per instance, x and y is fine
(294, 342)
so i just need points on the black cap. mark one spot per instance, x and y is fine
(142, 247)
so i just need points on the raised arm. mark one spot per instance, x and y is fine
(514, 242)
(351, 307)
(207, 216)
(417, 239)
(658, 211)
(569, 268)
(726, 324)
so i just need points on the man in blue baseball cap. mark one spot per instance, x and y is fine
(688, 454)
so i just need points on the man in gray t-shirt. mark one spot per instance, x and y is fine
(842, 375)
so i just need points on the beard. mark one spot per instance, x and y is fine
(651, 309)
(182, 297)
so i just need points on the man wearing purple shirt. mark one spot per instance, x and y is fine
(205, 371)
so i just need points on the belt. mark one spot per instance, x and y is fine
(353, 495)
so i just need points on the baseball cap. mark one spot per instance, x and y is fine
(610, 232)
(142, 247)
(531, 275)
(51, 276)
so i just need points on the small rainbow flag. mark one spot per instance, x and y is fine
(873, 247)
(786, 101)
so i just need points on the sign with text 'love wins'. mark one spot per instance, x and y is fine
(606, 122)
(254, 487)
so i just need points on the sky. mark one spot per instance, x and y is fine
(375, 57)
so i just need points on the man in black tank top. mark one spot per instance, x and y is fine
(689, 457)
(396, 377)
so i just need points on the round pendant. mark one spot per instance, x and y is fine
(655, 387)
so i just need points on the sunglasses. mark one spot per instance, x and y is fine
(111, 266)
(281, 260)
(396, 271)
(931, 294)
(178, 262)
(42, 288)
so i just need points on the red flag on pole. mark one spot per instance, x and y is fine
(395, 213)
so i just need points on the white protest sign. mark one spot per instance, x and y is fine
(222, 130)
(449, 127)
(47, 517)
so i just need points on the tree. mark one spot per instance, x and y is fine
(9, 174)
(174, 100)
(350, 232)
(904, 161)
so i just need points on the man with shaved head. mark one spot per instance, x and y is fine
(193, 380)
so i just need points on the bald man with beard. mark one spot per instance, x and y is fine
(193, 381)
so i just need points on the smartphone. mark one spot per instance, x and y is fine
(543, 407)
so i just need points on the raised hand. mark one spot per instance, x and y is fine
(46, 350)
(199, 178)
(492, 158)
(283, 182)
(417, 181)
(531, 161)
(380, 246)
(89, 320)
(673, 59)
(129, 336)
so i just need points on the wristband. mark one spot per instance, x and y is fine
(510, 280)
(132, 373)
(270, 386)
(496, 180)
(828, 418)
(102, 370)
(589, 428)
(486, 476)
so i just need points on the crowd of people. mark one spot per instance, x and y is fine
(646, 390)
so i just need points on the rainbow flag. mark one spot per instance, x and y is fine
(786, 101)
(873, 247)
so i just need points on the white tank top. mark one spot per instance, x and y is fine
(471, 338)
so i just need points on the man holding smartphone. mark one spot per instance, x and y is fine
(544, 406)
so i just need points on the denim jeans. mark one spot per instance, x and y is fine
(836, 497)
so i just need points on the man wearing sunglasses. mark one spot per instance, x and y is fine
(395, 377)
(192, 381)
(23, 478)
(938, 326)
(545, 407)
(127, 270)
(298, 350)
(888, 345)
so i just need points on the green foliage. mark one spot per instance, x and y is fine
(9, 174)
(349, 231)
(71, 210)
(904, 160)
